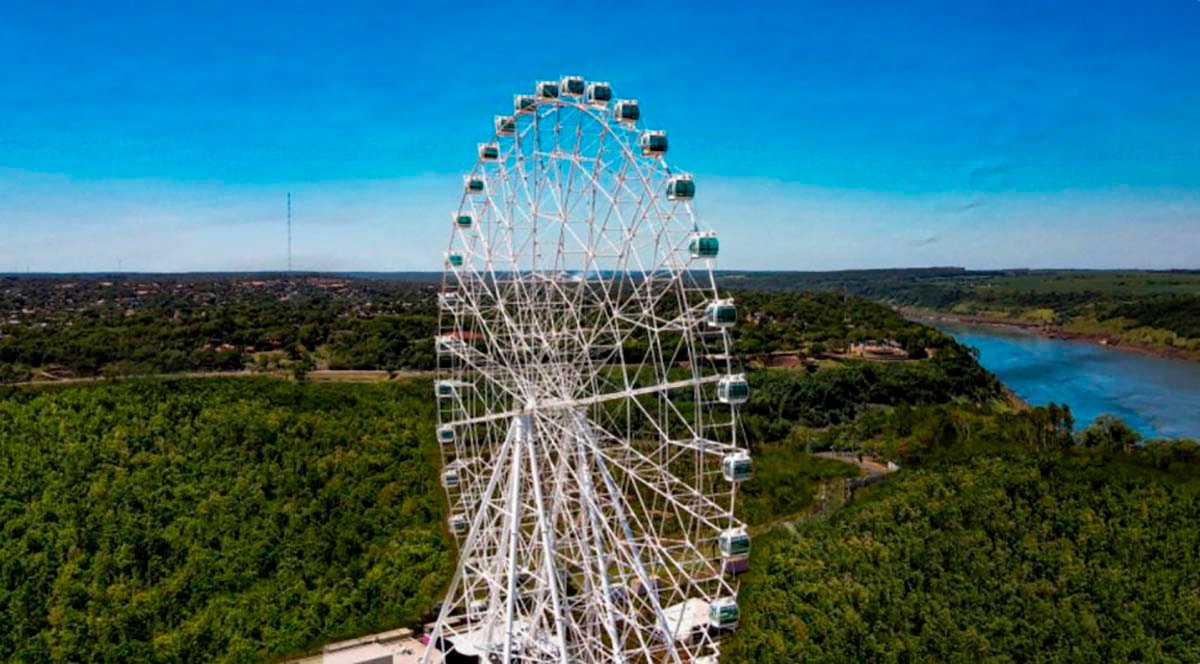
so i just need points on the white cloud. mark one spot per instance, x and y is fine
(49, 223)
(53, 223)
(782, 226)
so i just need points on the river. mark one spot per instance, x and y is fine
(1158, 397)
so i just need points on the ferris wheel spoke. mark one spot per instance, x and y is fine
(668, 487)
(573, 404)
(639, 554)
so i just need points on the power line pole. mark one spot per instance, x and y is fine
(289, 212)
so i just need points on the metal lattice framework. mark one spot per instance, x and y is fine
(587, 401)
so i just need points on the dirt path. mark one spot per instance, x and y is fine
(320, 375)
(870, 467)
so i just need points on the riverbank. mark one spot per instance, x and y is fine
(929, 316)
(1156, 396)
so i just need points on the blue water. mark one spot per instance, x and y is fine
(1156, 396)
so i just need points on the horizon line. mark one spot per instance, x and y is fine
(361, 273)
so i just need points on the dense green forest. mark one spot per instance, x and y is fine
(214, 520)
(784, 399)
(144, 520)
(818, 322)
(243, 519)
(1005, 538)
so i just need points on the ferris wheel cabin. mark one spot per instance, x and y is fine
(445, 434)
(598, 93)
(489, 151)
(547, 89)
(733, 389)
(734, 542)
(704, 245)
(458, 524)
(473, 185)
(451, 478)
(454, 260)
(524, 104)
(463, 221)
(572, 85)
(737, 467)
(627, 110)
(654, 143)
(721, 313)
(449, 301)
(506, 125)
(445, 389)
(723, 613)
(681, 188)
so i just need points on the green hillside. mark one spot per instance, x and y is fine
(991, 548)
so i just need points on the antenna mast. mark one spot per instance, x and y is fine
(289, 212)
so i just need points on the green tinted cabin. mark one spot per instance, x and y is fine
(733, 389)
(524, 104)
(598, 93)
(444, 389)
(627, 110)
(506, 125)
(547, 89)
(489, 151)
(704, 245)
(454, 260)
(445, 434)
(723, 613)
(572, 85)
(721, 313)
(654, 143)
(473, 185)
(464, 221)
(681, 188)
(737, 467)
(734, 542)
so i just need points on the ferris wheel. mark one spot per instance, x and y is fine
(588, 402)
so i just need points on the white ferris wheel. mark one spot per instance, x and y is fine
(587, 398)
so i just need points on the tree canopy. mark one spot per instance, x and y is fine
(217, 520)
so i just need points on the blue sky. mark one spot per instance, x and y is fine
(158, 136)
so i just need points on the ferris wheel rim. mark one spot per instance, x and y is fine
(602, 120)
